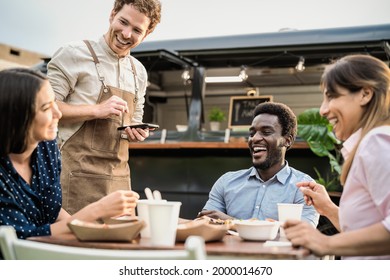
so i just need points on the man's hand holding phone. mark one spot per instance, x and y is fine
(151, 126)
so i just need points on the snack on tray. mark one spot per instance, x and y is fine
(219, 221)
(201, 227)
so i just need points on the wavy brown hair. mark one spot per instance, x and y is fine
(356, 72)
(150, 8)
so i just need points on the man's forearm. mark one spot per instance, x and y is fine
(76, 113)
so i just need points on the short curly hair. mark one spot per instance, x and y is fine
(150, 8)
(286, 116)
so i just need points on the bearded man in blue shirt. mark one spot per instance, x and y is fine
(255, 192)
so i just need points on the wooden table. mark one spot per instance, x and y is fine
(231, 247)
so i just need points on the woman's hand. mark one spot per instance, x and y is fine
(115, 204)
(303, 234)
(118, 203)
(316, 195)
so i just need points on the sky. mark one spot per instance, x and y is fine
(45, 25)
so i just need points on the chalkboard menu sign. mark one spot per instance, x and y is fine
(241, 110)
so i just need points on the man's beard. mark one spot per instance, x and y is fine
(271, 159)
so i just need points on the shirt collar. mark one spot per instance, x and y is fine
(350, 143)
(281, 176)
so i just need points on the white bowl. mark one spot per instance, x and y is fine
(181, 127)
(256, 230)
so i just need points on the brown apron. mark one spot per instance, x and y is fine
(95, 158)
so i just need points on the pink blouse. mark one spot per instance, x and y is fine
(366, 196)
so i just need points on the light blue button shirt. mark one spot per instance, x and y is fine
(243, 194)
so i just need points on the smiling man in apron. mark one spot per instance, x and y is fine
(99, 86)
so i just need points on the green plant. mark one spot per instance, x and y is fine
(317, 132)
(216, 115)
(331, 182)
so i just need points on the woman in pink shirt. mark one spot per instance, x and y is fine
(356, 101)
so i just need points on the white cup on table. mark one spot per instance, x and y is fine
(143, 214)
(288, 211)
(163, 218)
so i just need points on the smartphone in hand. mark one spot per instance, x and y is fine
(151, 126)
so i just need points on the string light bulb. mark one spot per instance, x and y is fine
(301, 64)
(185, 76)
(243, 75)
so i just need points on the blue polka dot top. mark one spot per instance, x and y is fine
(31, 209)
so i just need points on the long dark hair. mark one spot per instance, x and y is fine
(18, 91)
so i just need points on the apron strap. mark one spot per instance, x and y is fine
(135, 80)
(97, 64)
(101, 78)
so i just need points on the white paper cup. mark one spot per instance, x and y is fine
(163, 217)
(143, 213)
(288, 211)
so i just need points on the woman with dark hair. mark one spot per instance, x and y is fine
(30, 165)
(356, 101)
